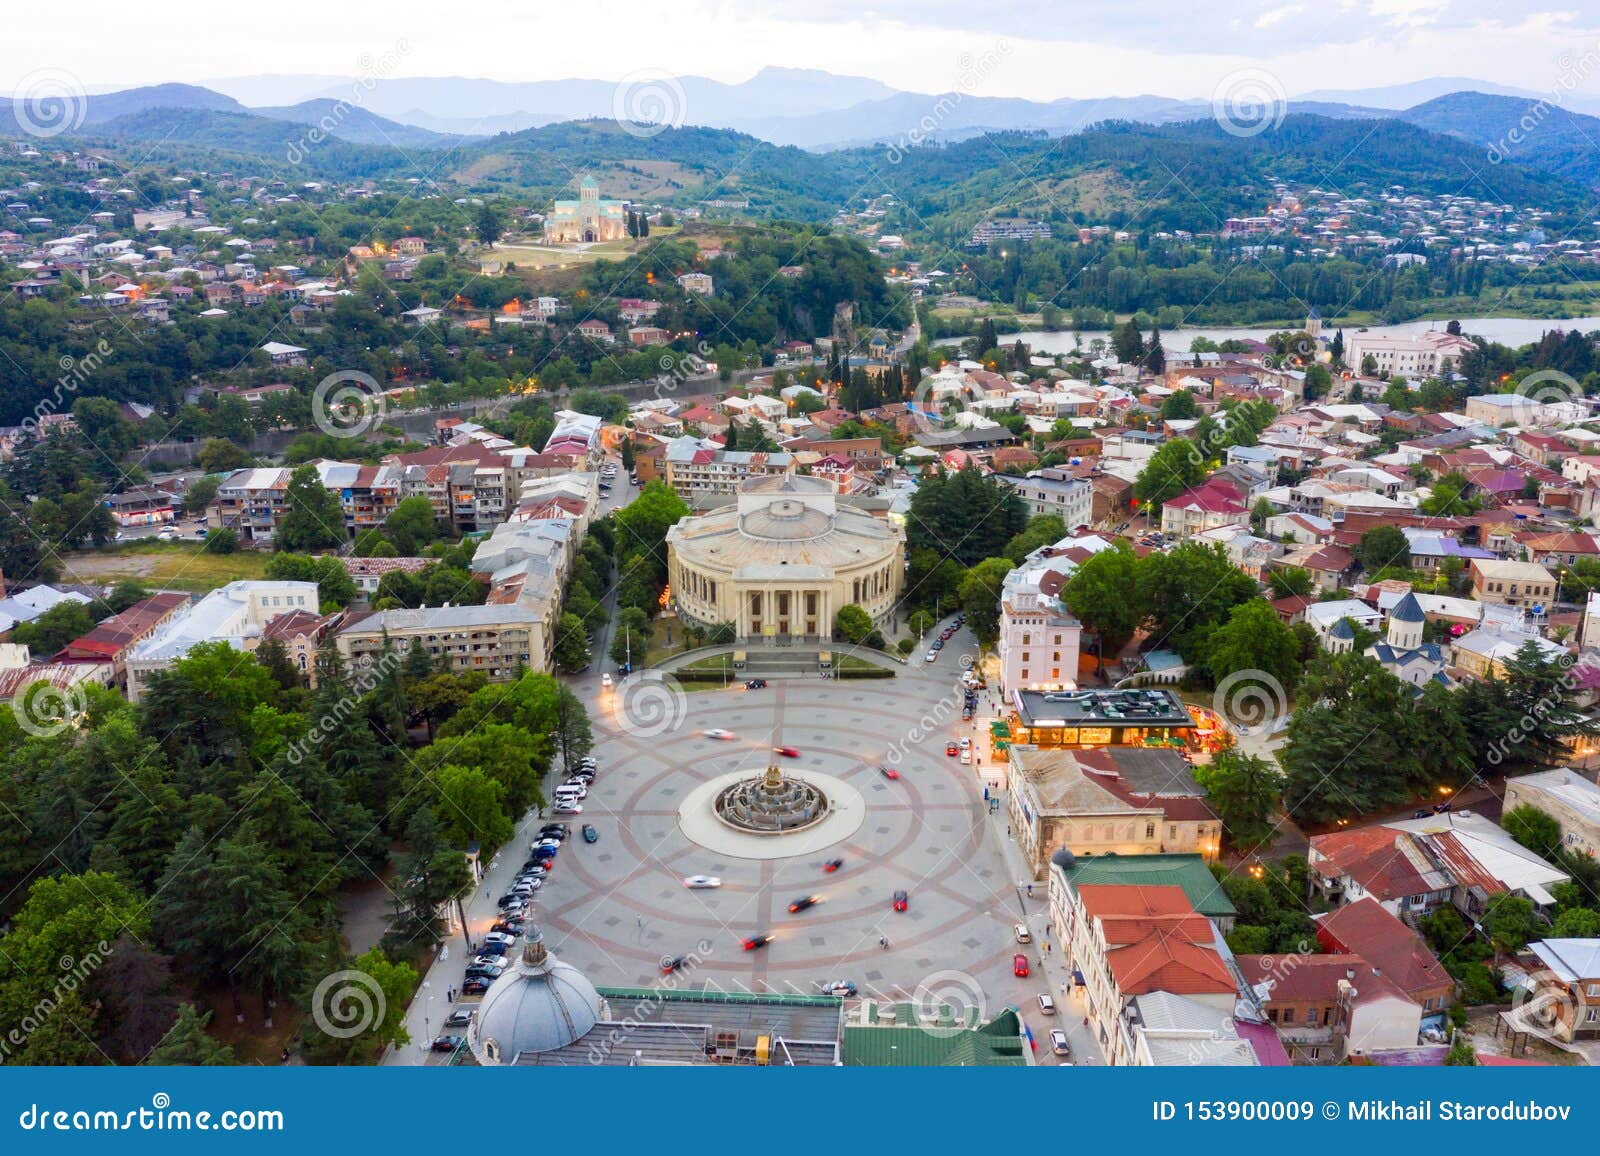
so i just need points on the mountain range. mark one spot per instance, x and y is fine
(784, 138)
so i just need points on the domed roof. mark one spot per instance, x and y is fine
(1408, 609)
(538, 1005)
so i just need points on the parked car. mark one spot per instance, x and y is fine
(840, 987)
(702, 882)
(1020, 930)
(567, 809)
(931, 656)
(1058, 1042)
(448, 1043)
(556, 830)
(590, 835)
(499, 938)
(901, 900)
(755, 684)
(474, 986)
(460, 1018)
(952, 750)
(1047, 1004)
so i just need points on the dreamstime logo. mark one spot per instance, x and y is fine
(972, 72)
(653, 706)
(1543, 1010)
(1250, 698)
(1549, 387)
(648, 102)
(944, 1002)
(676, 368)
(932, 723)
(49, 102)
(46, 710)
(1248, 102)
(347, 404)
(347, 1003)
(1573, 72)
(326, 127)
(940, 398)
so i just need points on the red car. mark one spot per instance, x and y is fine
(889, 772)
(1019, 965)
(952, 750)
(755, 941)
(786, 752)
(832, 865)
(901, 900)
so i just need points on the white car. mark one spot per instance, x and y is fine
(1047, 1004)
(931, 656)
(1058, 1042)
(500, 937)
(578, 788)
(965, 743)
(605, 682)
(966, 757)
(564, 808)
(722, 735)
(702, 882)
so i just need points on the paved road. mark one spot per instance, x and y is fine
(616, 908)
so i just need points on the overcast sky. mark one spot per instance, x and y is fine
(1055, 48)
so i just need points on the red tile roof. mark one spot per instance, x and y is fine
(1367, 929)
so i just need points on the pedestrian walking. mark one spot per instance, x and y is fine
(1030, 891)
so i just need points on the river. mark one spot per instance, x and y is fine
(1513, 331)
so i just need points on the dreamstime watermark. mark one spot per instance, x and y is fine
(1573, 73)
(1551, 387)
(347, 1003)
(326, 127)
(348, 404)
(1250, 698)
(651, 707)
(939, 400)
(946, 1002)
(75, 972)
(1248, 102)
(674, 972)
(45, 710)
(647, 102)
(1544, 1008)
(677, 368)
(934, 721)
(48, 102)
(972, 71)
(361, 683)
(1533, 719)
(75, 371)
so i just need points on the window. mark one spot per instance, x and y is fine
(1593, 1017)
(1594, 989)
(1315, 1053)
(1288, 1015)
(1149, 830)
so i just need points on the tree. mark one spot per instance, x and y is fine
(1578, 923)
(431, 874)
(1289, 581)
(220, 456)
(488, 226)
(572, 734)
(1449, 498)
(630, 637)
(1190, 591)
(376, 995)
(1244, 790)
(1177, 465)
(1383, 547)
(53, 629)
(1534, 829)
(963, 516)
(1255, 639)
(411, 526)
(187, 1045)
(1103, 594)
(313, 518)
(1128, 343)
(571, 650)
(223, 541)
(201, 494)
(1180, 404)
(1510, 923)
(1042, 530)
(471, 807)
(1461, 1054)
(852, 623)
(920, 622)
(335, 588)
(980, 598)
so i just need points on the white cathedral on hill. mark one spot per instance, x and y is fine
(587, 219)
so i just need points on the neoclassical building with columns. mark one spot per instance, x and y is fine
(782, 559)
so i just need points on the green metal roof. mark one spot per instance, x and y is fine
(906, 1044)
(1187, 871)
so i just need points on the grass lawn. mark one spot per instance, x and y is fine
(168, 565)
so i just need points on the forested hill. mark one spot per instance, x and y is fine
(1189, 176)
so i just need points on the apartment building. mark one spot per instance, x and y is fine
(237, 614)
(1057, 492)
(495, 640)
(695, 470)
